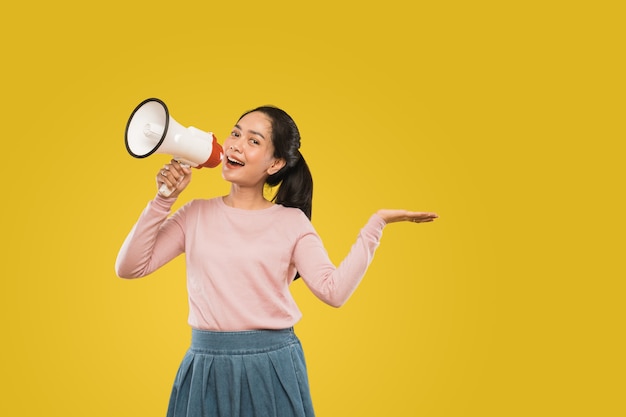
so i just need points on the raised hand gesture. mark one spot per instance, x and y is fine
(393, 216)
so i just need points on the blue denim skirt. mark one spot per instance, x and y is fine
(242, 374)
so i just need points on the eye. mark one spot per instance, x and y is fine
(254, 141)
(235, 134)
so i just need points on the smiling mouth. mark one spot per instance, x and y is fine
(234, 162)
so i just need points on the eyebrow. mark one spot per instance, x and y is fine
(254, 132)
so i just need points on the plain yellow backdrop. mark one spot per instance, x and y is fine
(505, 118)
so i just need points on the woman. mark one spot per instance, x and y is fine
(242, 253)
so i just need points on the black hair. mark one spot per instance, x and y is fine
(294, 179)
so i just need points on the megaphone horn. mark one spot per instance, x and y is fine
(151, 129)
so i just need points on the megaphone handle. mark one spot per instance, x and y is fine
(164, 190)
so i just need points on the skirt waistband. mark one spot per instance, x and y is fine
(242, 342)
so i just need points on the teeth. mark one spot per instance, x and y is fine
(234, 161)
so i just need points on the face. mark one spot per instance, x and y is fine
(249, 152)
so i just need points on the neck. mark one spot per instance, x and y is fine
(246, 198)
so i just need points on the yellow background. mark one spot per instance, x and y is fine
(506, 118)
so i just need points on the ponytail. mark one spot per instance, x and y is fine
(295, 186)
(294, 179)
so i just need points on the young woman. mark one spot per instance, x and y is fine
(242, 252)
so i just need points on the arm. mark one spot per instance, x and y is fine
(335, 285)
(155, 240)
(152, 242)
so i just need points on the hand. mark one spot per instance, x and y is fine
(393, 216)
(175, 176)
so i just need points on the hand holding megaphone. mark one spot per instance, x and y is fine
(173, 178)
(151, 129)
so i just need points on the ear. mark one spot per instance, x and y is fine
(276, 166)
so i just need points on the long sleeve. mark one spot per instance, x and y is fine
(153, 241)
(335, 285)
(239, 263)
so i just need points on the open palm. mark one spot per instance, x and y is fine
(393, 216)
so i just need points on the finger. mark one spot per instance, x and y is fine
(423, 220)
(166, 173)
(174, 172)
(182, 166)
(167, 176)
(423, 217)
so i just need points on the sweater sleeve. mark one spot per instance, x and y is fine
(335, 285)
(152, 242)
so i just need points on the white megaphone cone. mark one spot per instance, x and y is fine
(151, 129)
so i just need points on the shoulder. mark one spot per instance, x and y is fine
(291, 213)
(292, 219)
(198, 206)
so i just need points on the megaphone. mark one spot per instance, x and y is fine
(151, 129)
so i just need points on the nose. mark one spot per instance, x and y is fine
(234, 145)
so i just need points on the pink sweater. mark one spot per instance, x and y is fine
(240, 262)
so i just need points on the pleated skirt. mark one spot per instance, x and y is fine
(259, 373)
